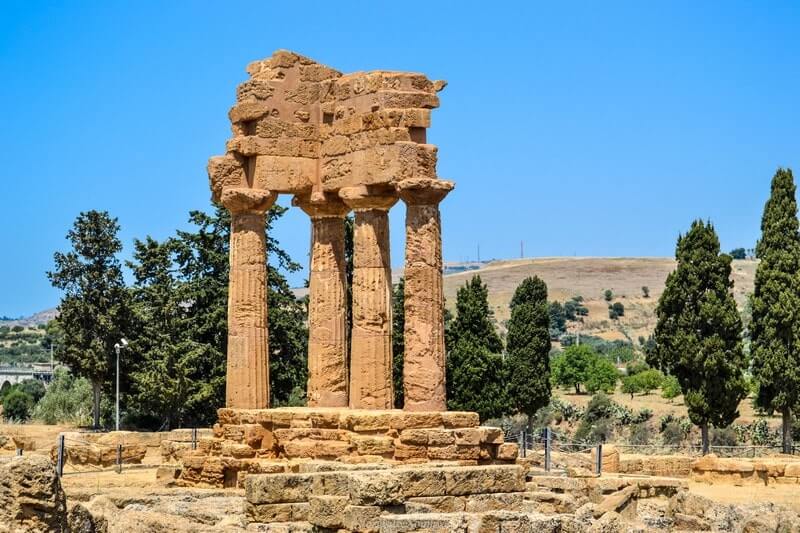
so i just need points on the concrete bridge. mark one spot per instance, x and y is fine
(11, 375)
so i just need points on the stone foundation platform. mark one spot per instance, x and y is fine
(252, 441)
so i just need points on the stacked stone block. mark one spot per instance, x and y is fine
(359, 500)
(277, 440)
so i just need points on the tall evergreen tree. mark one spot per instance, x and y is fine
(475, 380)
(181, 295)
(775, 326)
(698, 331)
(398, 340)
(94, 313)
(528, 348)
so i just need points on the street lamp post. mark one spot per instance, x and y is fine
(117, 348)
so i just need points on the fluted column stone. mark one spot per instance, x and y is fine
(424, 379)
(371, 341)
(327, 303)
(247, 378)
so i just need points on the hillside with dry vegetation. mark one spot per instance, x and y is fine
(590, 277)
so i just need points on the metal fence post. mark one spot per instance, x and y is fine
(60, 457)
(599, 465)
(524, 442)
(19, 452)
(547, 440)
(119, 458)
(194, 438)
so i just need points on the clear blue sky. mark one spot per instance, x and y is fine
(596, 128)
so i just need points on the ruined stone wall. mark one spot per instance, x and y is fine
(277, 440)
(299, 125)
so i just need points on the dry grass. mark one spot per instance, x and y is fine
(590, 277)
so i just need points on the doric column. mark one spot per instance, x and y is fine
(424, 357)
(371, 342)
(327, 303)
(247, 378)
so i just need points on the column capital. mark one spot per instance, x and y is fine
(361, 198)
(243, 200)
(424, 191)
(327, 206)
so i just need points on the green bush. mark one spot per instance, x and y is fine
(17, 405)
(618, 308)
(608, 294)
(67, 400)
(593, 432)
(33, 388)
(602, 376)
(670, 387)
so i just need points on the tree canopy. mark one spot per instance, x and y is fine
(775, 304)
(528, 347)
(697, 336)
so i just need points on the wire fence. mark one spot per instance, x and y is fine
(543, 445)
(84, 456)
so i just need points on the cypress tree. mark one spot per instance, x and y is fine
(475, 380)
(775, 330)
(528, 348)
(698, 331)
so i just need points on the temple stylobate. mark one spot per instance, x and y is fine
(338, 143)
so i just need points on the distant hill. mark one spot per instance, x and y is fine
(590, 277)
(42, 317)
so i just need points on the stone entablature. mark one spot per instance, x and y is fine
(337, 143)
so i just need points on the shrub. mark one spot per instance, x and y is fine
(17, 405)
(646, 291)
(643, 415)
(723, 437)
(649, 380)
(608, 295)
(67, 400)
(673, 434)
(640, 434)
(618, 308)
(600, 406)
(670, 388)
(33, 388)
(634, 367)
(601, 430)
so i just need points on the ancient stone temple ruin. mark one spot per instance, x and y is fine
(337, 143)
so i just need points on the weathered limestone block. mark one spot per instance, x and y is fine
(327, 511)
(436, 504)
(419, 482)
(278, 488)
(277, 512)
(484, 479)
(247, 377)
(376, 488)
(438, 522)
(362, 518)
(508, 451)
(31, 498)
(369, 445)
(481, 503)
